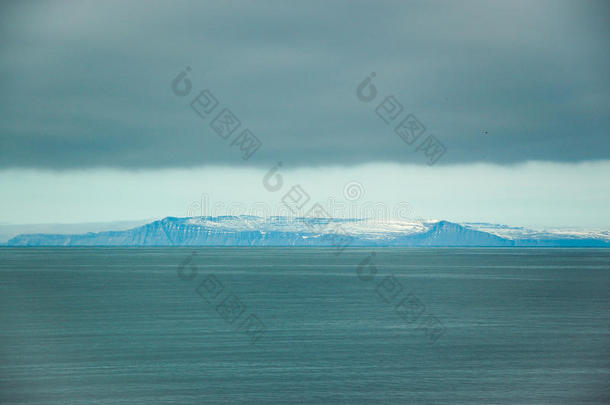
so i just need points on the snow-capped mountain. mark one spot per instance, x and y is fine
(286, 231)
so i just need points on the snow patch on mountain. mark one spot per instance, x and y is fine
(519, 232)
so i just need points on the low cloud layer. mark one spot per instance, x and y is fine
(88, 84)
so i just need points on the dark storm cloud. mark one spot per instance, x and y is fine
(87, 84)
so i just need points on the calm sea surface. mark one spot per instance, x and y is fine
(303, 325)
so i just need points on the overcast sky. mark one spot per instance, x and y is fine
(87, 91)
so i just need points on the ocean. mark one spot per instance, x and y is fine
(304, 326)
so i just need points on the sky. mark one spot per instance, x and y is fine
(96, 123)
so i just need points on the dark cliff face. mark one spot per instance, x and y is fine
(272, 232)
(446, 233)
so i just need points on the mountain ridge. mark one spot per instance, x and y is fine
(288, 231)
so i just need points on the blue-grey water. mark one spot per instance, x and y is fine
(459, 326)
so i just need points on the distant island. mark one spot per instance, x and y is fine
(287, 231)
